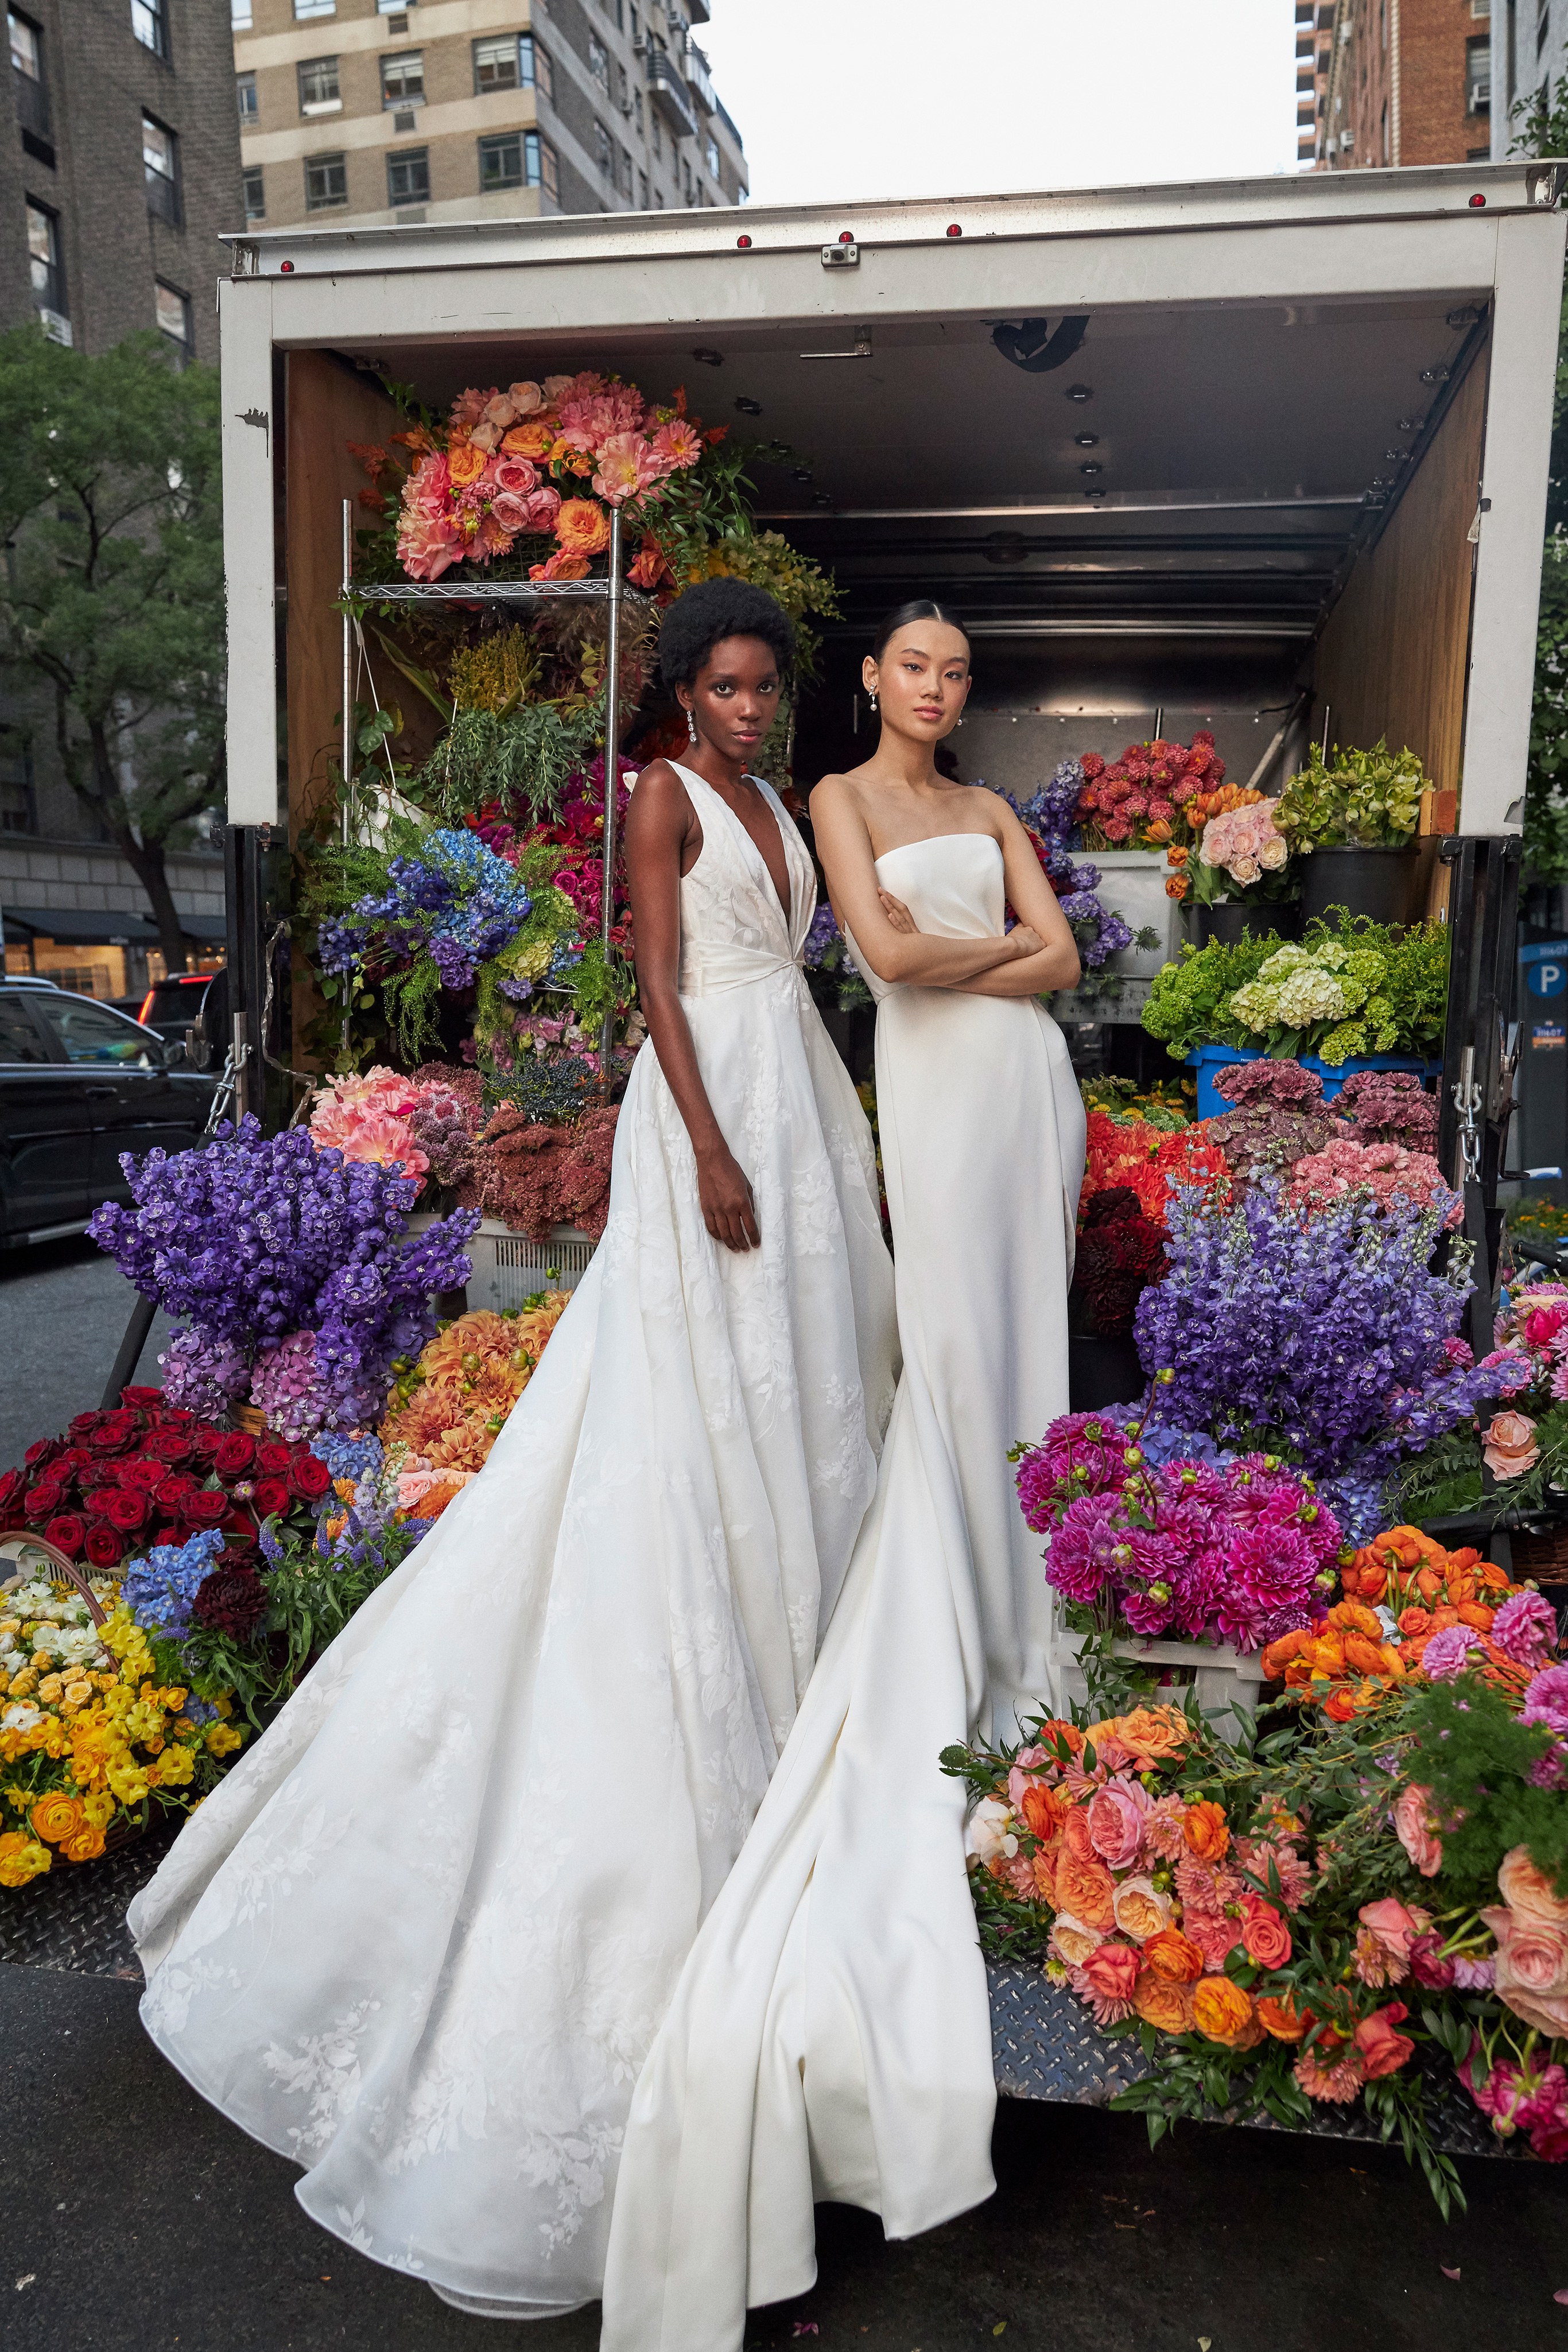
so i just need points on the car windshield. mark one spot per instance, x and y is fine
(92, 1033)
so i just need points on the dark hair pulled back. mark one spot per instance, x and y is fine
(919, 608)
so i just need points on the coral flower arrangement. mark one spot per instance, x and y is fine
(447, 1408)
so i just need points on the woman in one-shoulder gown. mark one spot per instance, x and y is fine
(420, 1939)
(829, 2039)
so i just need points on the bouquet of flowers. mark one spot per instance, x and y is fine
(1349, 987)
(416, 1126)
(287, 1271)
(1235, 1550)
(520, 464)
(1146, 798)
(91, 1727)
(1411, 1609)
(1147, 1158)
(1048, 818)
(1242, 853)
(1165, 1106)
(1357, 800)
(150, 1471)
(534, 1176)
(1525, 1448)
(831, 974)
(447, 1408)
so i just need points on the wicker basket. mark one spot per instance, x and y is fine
(63, 1570)
(1543, 1558)
(248, 1417)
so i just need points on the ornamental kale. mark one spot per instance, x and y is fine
(254, 1239)
(1326, 1343)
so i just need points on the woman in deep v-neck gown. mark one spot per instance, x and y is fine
(829, 2039)
(420, 1939)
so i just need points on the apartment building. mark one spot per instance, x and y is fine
(1530, 53)
(119, 171)
(401, 111)
(1385, 82)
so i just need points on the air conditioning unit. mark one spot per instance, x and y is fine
(404, 119)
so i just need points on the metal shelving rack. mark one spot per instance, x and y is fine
(612, 591)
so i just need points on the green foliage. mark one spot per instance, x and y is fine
(1475, 1755)
(113, 596)
(523, 758)
(411, 1000)
(1546, 802)
(1189, 1001)
(1362, 800)
(1380, 990)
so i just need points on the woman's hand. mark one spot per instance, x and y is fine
(1024, 941)
(729, 1211)
(898, 914)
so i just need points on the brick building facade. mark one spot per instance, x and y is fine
(366, 112)
(1382, 83)
(118, 170)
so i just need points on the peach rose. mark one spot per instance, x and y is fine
(1415, 1823)
(1508, 1448)
(561, 566)
(1222, 2011)
(1117, 1813)
(1111, 1970)
(1075, 1835)
(1283, 2018)
(1531, 1955)
(1264, 1934)
(1088, 1890)
(1170, 1954)
(1383, 2052)
(1526, 1889)
(1394, 1923)
(465, 463)
(1205, 1829)
(525, 397)
(1043, 1863)
(531, 441)
(583, 528)
(1153, 1733)
(1071, 1940)
(1162, 2003)
(1138, 1911)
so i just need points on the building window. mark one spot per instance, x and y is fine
(319, 89)
(1479, 74)
(303, 8)
(1542, 26)
(326, 183)
(26, 45)
(538, 68)
(30, 89)
(599, 63)
(498, 64)
(658, 137)
(518, 159)
(149, 23)
(637, 111)
(1481, 8)
(244, 96)
(173, 312)
(17, 811)
(642, 192)
(44, 265)
(161, 170)
(403, 80)
(713, 157)
(239, 15)
(408, 177)
(255, 189)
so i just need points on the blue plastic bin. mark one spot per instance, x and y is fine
(1210, 1060)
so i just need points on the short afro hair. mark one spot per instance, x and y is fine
(713, 610)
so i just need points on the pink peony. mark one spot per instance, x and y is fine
(385, 1139)
(1417, 1828)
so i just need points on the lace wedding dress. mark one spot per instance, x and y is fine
(830, 2037)
(421, 1937)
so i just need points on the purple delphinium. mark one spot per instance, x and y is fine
(1326, 1342)
(203, 1374)
(160, 1586)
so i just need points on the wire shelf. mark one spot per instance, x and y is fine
(475, 591)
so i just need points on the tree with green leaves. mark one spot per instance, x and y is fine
(111, 601)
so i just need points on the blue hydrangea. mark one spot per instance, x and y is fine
(456, 900)
(161, 1587)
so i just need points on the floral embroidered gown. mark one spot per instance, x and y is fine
(421, 1938)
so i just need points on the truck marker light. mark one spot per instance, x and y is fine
(953, 229)
(287, 268)
(742, 242)
(846, 236)
(1478, 203)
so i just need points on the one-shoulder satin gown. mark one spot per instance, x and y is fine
(420, 1939)
(829, 2038)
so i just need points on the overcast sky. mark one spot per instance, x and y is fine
(905, 97)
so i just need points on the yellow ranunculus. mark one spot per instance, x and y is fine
(84, 1845)
(56, 1817)
(21, 1858)
(176, 1766)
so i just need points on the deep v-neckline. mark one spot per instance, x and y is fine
(786, 912)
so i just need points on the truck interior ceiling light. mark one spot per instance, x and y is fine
(1093, 466)
(804, 474)
(706, 358)
(748, 407)
(1034, 347)
(1087, 440)
(1079, 391)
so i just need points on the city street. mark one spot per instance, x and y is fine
(135, 2218)
(64, 1307)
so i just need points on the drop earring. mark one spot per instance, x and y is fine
(873, 702)
(691, 725)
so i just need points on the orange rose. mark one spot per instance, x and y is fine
(1204, 1831)
(1075, 1835)
(1264, 1934)
(1159, 2002)
(1088, 1890)
(1043, 1810)
(1112, 1971)
(1415, 1620)
(56, 1817)
(582, 527)
(1154, 1732)
(1043, 1863)
(1170, 1954)
(1283, 2018)
(465, 464)
(1383, 2052)
(531, 441)
(1222, 2011)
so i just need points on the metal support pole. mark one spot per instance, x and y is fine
(348, 714)
(130, 1355)
(611, 778)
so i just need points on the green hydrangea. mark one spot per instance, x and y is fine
(1352, 987)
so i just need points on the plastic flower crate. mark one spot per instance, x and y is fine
(509, 1268)
(1223, 1682)
(1132, 885)
(1210, 1060)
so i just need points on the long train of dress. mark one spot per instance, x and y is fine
(829, 2038)
(421, 1938)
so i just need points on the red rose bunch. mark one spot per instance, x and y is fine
(148, 1473)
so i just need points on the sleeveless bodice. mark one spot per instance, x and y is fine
(953, 885)
(733, 929)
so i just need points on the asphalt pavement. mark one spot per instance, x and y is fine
(132, 2218)
(64, 1307)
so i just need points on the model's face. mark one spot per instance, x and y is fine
(923, 680)
(734, 695)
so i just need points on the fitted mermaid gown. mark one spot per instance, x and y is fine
(421, 1937)
(830, 2038)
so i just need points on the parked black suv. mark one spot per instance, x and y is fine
(80, 1084)
(171, 1005)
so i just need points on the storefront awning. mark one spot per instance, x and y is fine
(103, 926)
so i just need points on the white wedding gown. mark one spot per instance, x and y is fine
(830, 2037)
(421, 1937)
